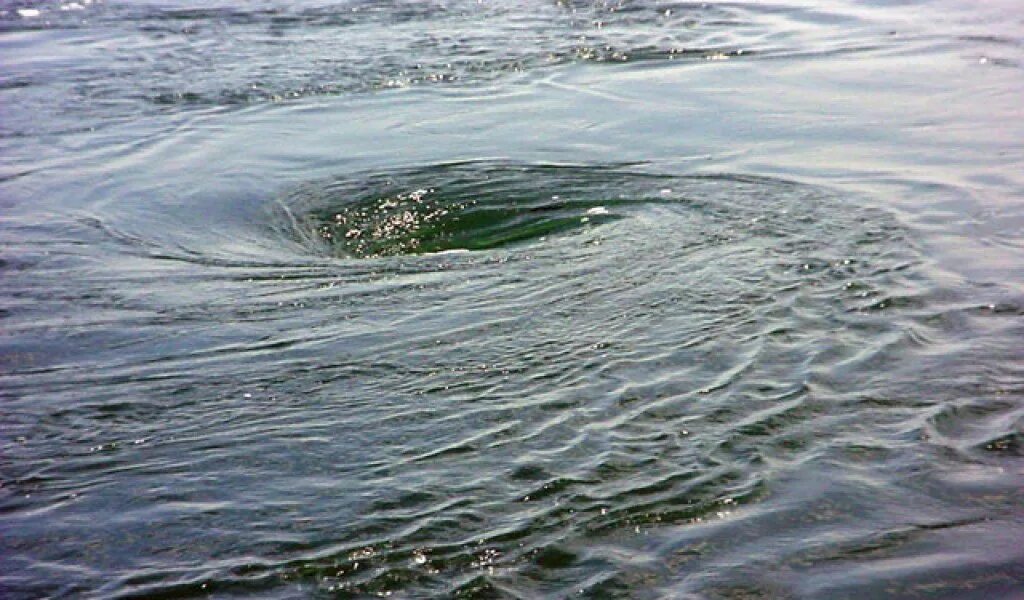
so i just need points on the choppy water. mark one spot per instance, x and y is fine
(511, 299)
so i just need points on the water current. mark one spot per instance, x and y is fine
(524, 299)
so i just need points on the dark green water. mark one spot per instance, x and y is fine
(511, 299)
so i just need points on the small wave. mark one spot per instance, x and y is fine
(515, 378)
(184, 58)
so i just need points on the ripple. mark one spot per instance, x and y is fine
(546, 378)
(167, 60)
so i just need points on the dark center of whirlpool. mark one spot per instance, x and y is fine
(490, 206)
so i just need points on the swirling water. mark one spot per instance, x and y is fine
(511, 299)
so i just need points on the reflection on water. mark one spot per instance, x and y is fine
(631, 299)
(223, 55)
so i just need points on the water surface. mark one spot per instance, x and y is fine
(511, 299)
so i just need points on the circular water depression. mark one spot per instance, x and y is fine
(616, 351)
(615, 362)
(492, 206)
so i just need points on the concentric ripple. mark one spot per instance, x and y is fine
(261, 338)
(627, 382)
